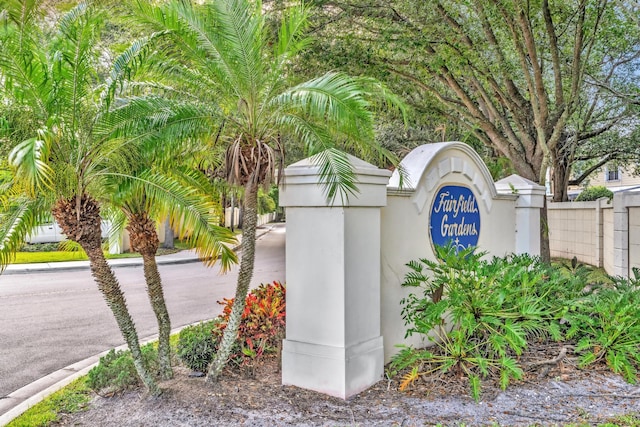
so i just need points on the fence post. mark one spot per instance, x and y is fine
(620, 235)
(599, 225)
(333, 342)
(530, 201)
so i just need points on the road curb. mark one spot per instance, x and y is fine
(35, 392)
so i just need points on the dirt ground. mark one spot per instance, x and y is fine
(550, 394)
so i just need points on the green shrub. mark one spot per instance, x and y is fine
(260, 332)
(266, 204)
(39, 247)
(116, 371)
(496, 306)
(606, 325)
(197, 345)
(594, 193)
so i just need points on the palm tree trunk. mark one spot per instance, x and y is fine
(144, 239)
(79, 218)
(156, 296)
(248, 248)
(110, 288)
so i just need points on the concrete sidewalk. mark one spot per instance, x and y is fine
(14, 404)
(181, 257)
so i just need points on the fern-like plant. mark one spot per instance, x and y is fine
(606, 325)
(478, 313)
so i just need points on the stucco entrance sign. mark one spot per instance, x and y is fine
(455, 217)
(346, 261)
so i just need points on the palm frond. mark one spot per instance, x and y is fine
(23, 13)
(336, 174)
(334, 97)
(154, 119)
(292, 35)
(24, 70)
(16, 222)
(126, 65)
(239, 28)
(30, 160)
(72, 64)
(194, 39)
(193, 213)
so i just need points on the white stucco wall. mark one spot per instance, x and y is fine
(573, 230)
(333, 342)
(601, 233)
(346, 260)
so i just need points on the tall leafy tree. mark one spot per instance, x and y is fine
(533, 80)
(218, 72)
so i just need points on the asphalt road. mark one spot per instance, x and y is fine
(51, 320)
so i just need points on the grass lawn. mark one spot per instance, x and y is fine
(60, 256)
(50, 256)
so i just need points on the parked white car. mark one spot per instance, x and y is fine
(51, 233)
(46, 233)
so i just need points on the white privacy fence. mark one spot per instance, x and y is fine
(601, 233)
(262, 219)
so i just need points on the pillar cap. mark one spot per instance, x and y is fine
(303, 185)
(529, 193)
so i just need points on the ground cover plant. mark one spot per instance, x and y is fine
(72, 398)
(482, 314)
(116, 371)
(606, 325)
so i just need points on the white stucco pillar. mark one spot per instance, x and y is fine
(620, 236)
(621, 231)
(333, 343)
(528, 204)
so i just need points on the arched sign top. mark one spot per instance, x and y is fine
(454, 217)
(428, 166)
(415, 164)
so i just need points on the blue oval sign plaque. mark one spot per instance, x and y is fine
(455, 217)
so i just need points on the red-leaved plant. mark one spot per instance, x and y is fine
(263, 322)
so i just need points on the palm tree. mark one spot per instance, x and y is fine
(218, 68)
(61, 170)
(184, 199)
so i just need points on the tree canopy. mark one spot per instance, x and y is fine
(544, 83)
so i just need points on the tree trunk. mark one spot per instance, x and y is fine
(144, 239)
(248, 248)
(156, 296)
(233, 212)
(169, 237)
(112, 293)
(79, 219)
(241, 209)
(560, 181)
(545, 247)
